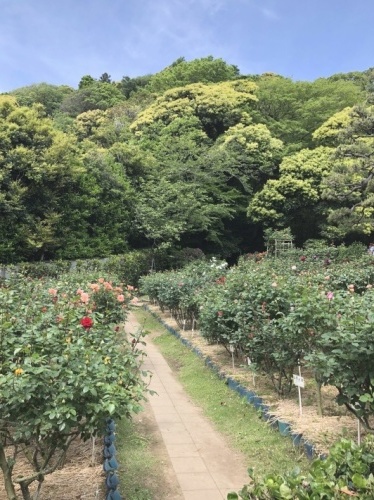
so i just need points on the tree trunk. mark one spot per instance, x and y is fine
(25, 491)
(7, 473)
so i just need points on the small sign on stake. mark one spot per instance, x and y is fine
(298, 380)
(249, 362)
(232, 350)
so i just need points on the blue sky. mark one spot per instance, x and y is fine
(59, 41)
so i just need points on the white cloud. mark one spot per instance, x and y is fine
(270, 14)
(174, 27)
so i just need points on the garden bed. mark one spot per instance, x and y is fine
(322, 431)
(82, 477)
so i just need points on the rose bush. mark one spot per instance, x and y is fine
(62, 372)
(280, 311)
(177, 290)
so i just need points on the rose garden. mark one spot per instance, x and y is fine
(67, 364)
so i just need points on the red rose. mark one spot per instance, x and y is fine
(86, 322)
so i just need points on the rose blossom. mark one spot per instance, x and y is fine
(85, 297)
(120, 298)
(86, 322)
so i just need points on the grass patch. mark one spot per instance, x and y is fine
(266, 450)
(139, 470)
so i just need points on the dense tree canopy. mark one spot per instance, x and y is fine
(295, 198)
(349, 188)
(196, 155)
(51, 96)
(38, 167)
(293, 110)
(97, 95)
(181, 73)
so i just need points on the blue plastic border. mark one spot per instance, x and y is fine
(283, 427)
(110, 464)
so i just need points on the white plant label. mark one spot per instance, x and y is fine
(298, 380)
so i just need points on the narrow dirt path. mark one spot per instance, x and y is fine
(199, 458)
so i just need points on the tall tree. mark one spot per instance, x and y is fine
(294, 110)
(182, 72)
(200, 136)
(295, 199)
(350, 186)
(217, 107)
(38, 166)
(51, 96)
(96, 95)
(105, 78)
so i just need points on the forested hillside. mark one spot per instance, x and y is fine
(197, 155)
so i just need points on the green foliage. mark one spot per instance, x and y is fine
(129, 86)
(61, 371)
(51, 96)
(166, 211)
(348, 470)
(349, 370)
(96, 95)
(306, 305)
(38, 171)
(182, 72)
(213, 152)
(330, 131)
(294, 110)
(295, 198)
(86, 81)
(176, 290)
(349, 187)
(217, 106)
(249, 154)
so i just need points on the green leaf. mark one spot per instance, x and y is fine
(359, 481)
(285, 491)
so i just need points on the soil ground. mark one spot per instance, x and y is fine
(80, 479)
